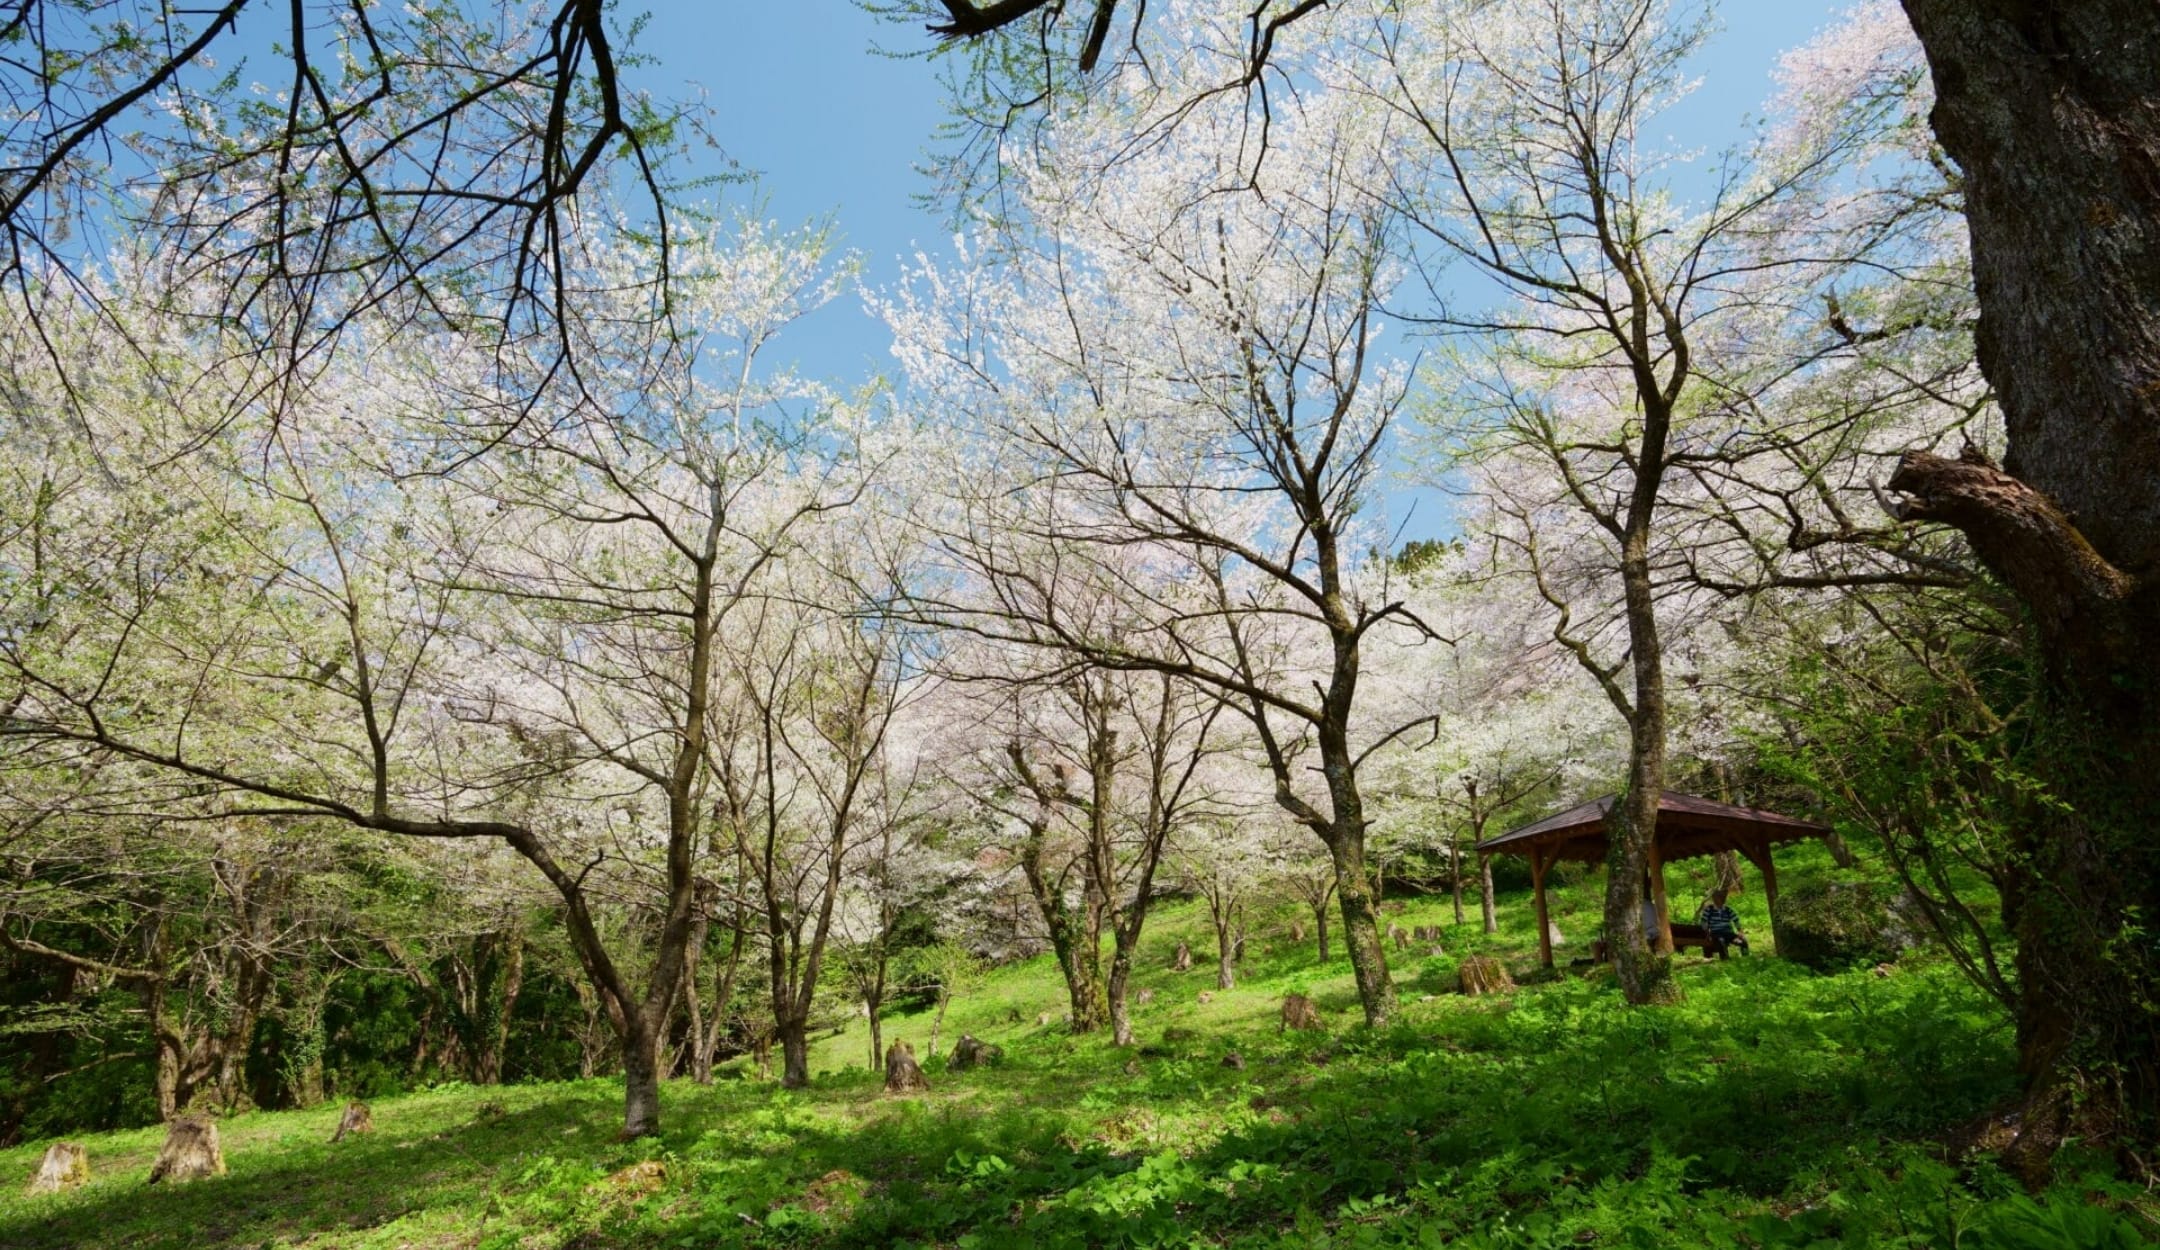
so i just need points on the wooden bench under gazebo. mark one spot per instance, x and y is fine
(1687, 827)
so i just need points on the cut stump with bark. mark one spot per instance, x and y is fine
(66, 1165)
(191, 1151)
(970, 1052)
(902, 1074)
(1482, 974)
(357, 1119)
(1298, 1012)
(1182, 961)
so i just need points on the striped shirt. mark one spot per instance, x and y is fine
(1720, 919)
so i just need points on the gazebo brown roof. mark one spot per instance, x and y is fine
(1687, 827)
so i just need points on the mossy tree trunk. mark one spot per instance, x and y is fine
(2052, 113)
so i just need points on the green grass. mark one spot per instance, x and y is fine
(1775, 1108)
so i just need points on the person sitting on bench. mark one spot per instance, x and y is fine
(1722, 924)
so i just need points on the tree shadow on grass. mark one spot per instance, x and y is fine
(1768, 1082)
(285, 1190)
(1466, 1111)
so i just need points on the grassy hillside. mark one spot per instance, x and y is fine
(1776, 1108)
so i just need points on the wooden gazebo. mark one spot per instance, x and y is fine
(1687, 827)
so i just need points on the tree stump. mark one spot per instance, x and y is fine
(637, 1180)
(1482, 974)
(1234, 1061)
(190, 1152)
(1553, 934)
(1298, 1012)
(969, 1052)
(1182, 961)
(355, 1120)
(66, 1165)
(902, 1074)
(1144, 997)
(1206, 997)
(1399, 936)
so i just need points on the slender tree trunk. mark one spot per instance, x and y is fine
(1455, 875)
(590, 1034)
(937, 1022)
(874, 1009)
(1485, 894)
(1645, 973)
(1224, 911)
(723, 994)
(1125, 931)
(1319, 916)
(699, 1058)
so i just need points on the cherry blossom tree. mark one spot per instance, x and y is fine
(1190, 389)
(518, 647)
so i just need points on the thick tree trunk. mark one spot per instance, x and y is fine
(165, 1079)
(1121, 1032)
(1361, 929)
(641, 1082)
(2052, 112)
(794, 1052)
(1076, 942)
(1082, 961)
(2051, 108)
(498, 1001)
(300, 1067)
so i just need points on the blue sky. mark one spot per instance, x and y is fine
(800, 95)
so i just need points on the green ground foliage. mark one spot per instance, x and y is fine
(1776, 1108)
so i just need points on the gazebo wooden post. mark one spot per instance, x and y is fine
(1759, 855)
(1540, 862)
(1662, 939)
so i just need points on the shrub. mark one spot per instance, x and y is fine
(1834, 925)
